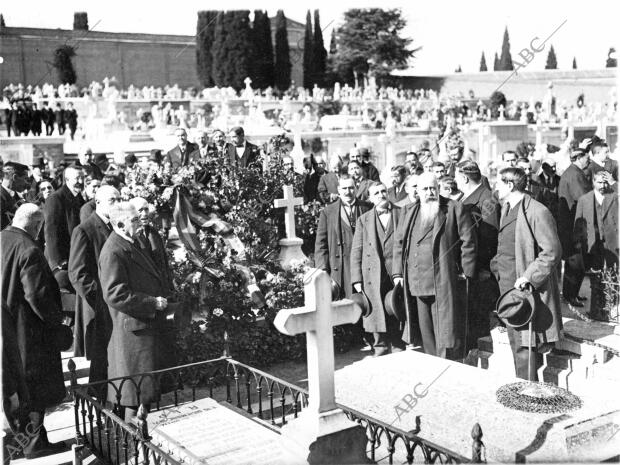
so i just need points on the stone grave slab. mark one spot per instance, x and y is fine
(448, 398)
(207, 432)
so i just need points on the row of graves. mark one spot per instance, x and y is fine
(235, 247)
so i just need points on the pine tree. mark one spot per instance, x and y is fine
(496, 63)
(611, 61)
(552, 62)
(574, 63)
(282, 68)
(319, 57)
(483, 63)
(263, 64)
(63, 64)
(80, 21)
(308, 52)
(505, 60)
(205, 32)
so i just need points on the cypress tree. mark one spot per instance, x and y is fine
(611, 61)
(483, 63)
(308, 52)
(552, 61)
(330, 75)
(282, 68)
(263, 63)
(496, 63)
(574, 63)
(80, 21)
(2, 23)
(205, 33)
(219, 51)
(64, 65)
(505, 60)
(240, 42)
(458, 70)
(319, 57)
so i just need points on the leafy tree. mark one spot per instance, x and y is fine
(611, 61)
(64, 65)
(496, 63)
(80, 21)
(308, 52)
(319, 56)
(205, 34)
(574, 63)
(262, 76)
(370, 40)
(552, 61)
(483, 63)
(505, 60)
(282, 68)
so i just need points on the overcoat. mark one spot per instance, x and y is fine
(485, 211)
(331, 252)
(585, 225)
(394, 197)
(130, 283)
(62, 214)
(177, 158)
(328, 184)
(573, 184)
(32, 299)
(537, 254)
(371, 264)
(92, 318)
(453, 232)
(251, 155)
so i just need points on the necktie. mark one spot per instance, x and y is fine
(505, 210)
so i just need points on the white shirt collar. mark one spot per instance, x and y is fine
(11, 192)
(240, 150)
(599, 197)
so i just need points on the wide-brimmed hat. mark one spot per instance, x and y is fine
(394, 303)
(361, 299)
(517, 308)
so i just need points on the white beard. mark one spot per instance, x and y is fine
(428, 212)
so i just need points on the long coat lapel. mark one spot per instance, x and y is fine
(409, 220)
(439, 222)
(139, 258)
(608, 201)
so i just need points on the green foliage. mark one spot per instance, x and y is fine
(308, 53)
(2, 23)
(319, 56)
(552, 61)
(483, 63)
(370, 40)
(611, 61)
(505, 60)
(221, 72)
(80, 21)
(330, 76)
(497, 99)
(574, 63)
(282, 71)
(262, 76)
(240, 48)
(496, 63)
(205, 33)
(63, 63)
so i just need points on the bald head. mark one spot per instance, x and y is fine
(29, 217)
(105, 198)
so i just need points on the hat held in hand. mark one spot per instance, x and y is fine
(361, 299)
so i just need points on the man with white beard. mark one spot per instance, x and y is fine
(427, 263)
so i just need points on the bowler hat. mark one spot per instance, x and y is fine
(394, 303)
(516, 308)
(336, 291)
(361, 299)
(62, 337)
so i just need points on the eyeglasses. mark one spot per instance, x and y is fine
(47, 188)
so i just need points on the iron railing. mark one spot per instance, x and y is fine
(272, 400)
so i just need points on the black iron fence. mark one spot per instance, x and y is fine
(102, 428)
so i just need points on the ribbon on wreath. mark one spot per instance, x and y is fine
(185, 217)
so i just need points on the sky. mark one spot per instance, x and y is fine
(451, 33)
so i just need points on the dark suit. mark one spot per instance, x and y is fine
(91, 169)
(370, 171)
(549, 197)
(151, 243)
(483, 294)
(32, 299)
(71, 119)
(130, 281)
(334, 239)
(596, 230)
(35, 122)
(573, 184)
(371, 265)
(310, 184)
(362, 189)
(177, 157)
(8, 206)
(328, 184)
(59, 117)
(92, 318)
(62, 215)
(87, 209)
(397, 197)
(47, 114)
(251, 155)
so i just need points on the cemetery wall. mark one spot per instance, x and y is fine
(138, 59)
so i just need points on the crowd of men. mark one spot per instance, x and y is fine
(430, 255)
(23, 118)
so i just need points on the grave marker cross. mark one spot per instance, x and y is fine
(289, 202)
(317, 319)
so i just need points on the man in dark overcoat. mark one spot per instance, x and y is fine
(179, 155)
(397, 191)
(31, 298)
(550, 183)
(328, 184)
(92, 317)
(134, 290)
(528, 252)
(14, 181)
(361, 183)
(47, 115)
(334, 236)
(371, 268)
(428, 240)
(240, 152)
(573, 184)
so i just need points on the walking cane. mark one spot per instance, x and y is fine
(529, 351)
(466, 317)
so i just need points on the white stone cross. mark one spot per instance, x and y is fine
(289, 202)
(317, 319)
